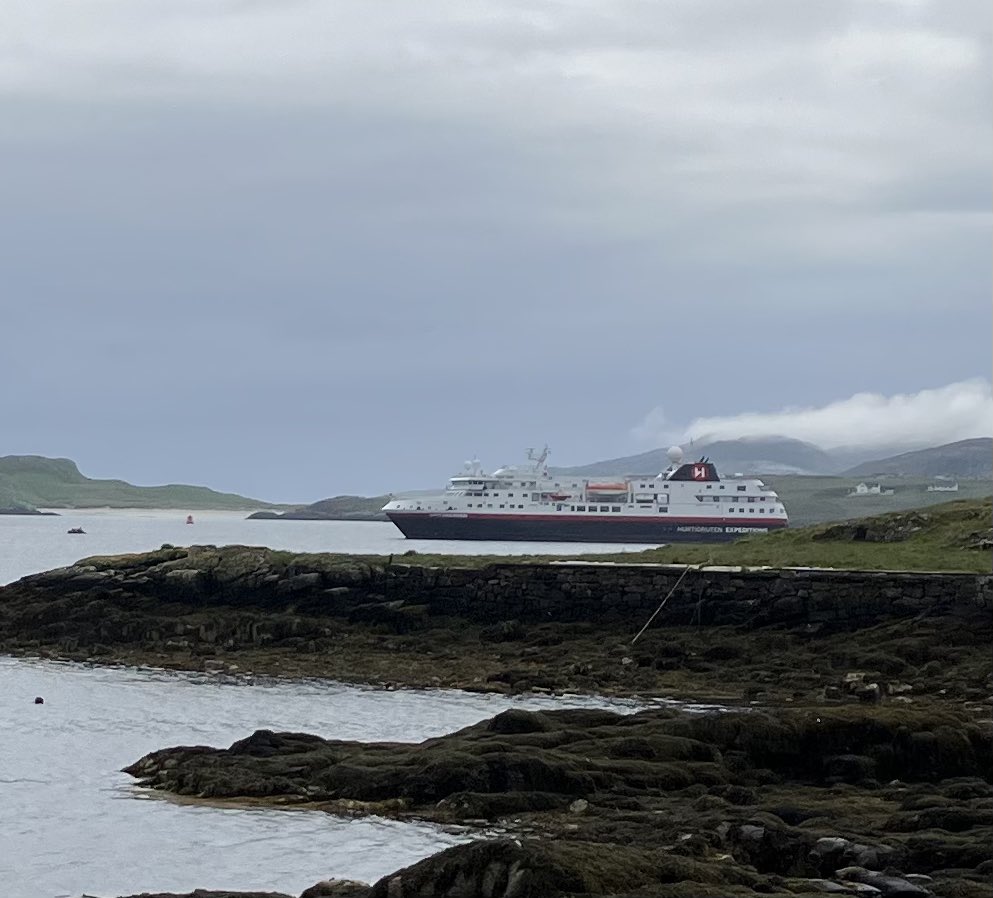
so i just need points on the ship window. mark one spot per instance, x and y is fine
(558, 508)
(710, 486)
(751, 498)
(580, 508)
(761, 498)
(663, 508)
(489, 504)
(615, 508)
(501, 505)
(520, 506)
(715, 498)
(510, 495)
(741, 489)
(720, 487)
(604, 508)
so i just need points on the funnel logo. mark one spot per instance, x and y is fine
(699, 472)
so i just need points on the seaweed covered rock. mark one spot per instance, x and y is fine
(655, 803)
(581, 754)
(532, 869)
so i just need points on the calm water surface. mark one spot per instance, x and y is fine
(71, 823)
(29, 544)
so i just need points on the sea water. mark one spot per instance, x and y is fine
(29, 543)
(71, 822)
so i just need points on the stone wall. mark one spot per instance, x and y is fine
(601, 592)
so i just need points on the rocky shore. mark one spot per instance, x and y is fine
(722, 634)
(848, 800)
(855, 757)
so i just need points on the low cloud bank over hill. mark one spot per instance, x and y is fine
(869, 421)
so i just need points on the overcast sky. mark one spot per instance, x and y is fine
(295, 249)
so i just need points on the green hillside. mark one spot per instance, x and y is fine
(952, 536)
(33, 481)
(813, 500)
(966, 458)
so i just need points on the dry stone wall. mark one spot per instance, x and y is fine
(602, 592)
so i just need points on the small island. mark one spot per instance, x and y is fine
(337, 508)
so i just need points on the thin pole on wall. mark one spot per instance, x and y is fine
(686, 570)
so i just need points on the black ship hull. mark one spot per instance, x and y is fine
(573, 529)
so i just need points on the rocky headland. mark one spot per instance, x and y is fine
(658, 803)
(854, 757)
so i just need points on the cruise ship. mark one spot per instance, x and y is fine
(687, 502)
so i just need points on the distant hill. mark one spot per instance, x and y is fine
(28, 482)
(337, 508)
(966, 458)
(750, 455)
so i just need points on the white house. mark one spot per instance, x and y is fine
(865, 489)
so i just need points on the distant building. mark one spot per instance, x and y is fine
(869, 489)
(943, 487)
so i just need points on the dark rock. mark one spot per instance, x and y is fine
(848, 768)
(831, 853)
(210, 893)
(338, 888)
(889, 886)
(504, 631)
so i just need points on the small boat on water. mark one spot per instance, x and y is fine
(75, 530)
(189, 519)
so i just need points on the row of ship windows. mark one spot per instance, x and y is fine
(536, 496)
(662, 509)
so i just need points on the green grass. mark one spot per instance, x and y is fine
(944, 537)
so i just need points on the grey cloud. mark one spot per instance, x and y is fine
(376, 239)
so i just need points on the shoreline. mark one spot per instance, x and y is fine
(864, 758)
(729, 633)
